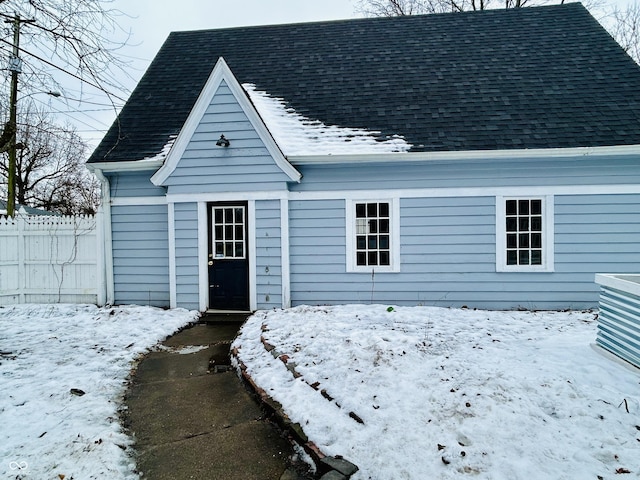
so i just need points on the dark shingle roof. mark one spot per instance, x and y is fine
(498, 79)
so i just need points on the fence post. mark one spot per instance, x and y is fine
(22, 267)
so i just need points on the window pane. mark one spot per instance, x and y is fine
(512, 224)
(523, 224)
(218, 232)
(384, 258)
(523, 207)
(239, 232)
(536, 207)
(217, 215)
(361, 226)
(228, 249)
(239, 253)
(384, 210)
(373, 226)
(536, 257)
(372, 209)
(536, 224)
(512, 240)
(384, 242)
(360, 210)
(219, 249)
(536, 240)
(373, 241)
(523, 241)
(512, 207)
(372, 258)
(228, 232)
(512, 257)
(228, 215)
(384, 226)
(361, 242)
(361, 258)
(239, 215)
(523, 257)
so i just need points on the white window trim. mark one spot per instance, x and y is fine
(548, 235)
(394, 236)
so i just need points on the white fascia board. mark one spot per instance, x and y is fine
(620, 150)
(221, 72)
(127, 166)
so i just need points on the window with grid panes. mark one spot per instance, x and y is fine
(228, 232)
(523, 230)
(373, 231)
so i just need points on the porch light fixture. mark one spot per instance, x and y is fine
(223, 142)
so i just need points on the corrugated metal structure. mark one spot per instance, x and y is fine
(619, 320)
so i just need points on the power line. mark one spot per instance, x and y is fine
(65, 71)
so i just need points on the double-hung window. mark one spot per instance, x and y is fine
(524, 231)
(373, 236)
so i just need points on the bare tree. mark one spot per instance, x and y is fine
(625, 28)
(74, 39)
(50, 170)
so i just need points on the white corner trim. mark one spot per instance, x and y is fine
(284, 249)
(394, 247)
(548, 235)
(203, 252)
(173, 297)
(221, 72)
(619, 150)
(251, 235)
(106, 290)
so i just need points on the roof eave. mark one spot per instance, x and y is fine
(618, 150)
(126, 166)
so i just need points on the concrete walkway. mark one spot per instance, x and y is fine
(192, 418)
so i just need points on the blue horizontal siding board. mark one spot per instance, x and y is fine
(186, 254)
(268, 254)
(140, 254)
(133, 184)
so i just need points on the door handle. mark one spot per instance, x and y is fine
(210, 262)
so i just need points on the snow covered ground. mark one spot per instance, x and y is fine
(46, 431)
(449, 393)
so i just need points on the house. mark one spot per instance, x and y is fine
(25, 210)
(488, 159)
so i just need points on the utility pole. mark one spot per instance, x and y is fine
(15, 65)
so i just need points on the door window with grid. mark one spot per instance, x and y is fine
(228, 232)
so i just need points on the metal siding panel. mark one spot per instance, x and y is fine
(619, 324)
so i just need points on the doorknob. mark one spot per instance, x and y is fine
(210, 262)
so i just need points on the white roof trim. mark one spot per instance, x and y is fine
(128, 166)
(221, 72)
(619, 150)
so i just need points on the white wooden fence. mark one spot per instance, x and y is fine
(48, 259)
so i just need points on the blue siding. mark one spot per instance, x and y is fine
(246, 166)
(268, 254)
(448, 254)
(489, 173)
(140, 255)
(186, 237)
(134, 184)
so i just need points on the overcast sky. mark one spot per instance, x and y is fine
(151, 21)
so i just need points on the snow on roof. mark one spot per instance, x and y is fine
(165, 150)
(298, 135)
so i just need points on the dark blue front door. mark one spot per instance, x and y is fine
(228, 259)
